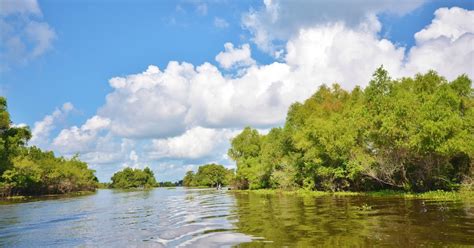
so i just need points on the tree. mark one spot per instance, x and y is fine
(245, 150)
(31, 171)
(12, 139)
(188, 179)
(209, 175)
(133, 178)
(413, 133)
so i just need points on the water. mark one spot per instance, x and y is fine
(209, 218)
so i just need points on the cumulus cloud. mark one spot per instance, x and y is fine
(109, 150)
(23, 36)
(450, 23)
(149, 104)
(196, 142)
(42, 129)
(80, 139)
(279, 20)
(446, 45)
(157, 104)
(335, 53)
(133, 161)
(235, 57)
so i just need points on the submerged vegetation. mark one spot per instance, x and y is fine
(411, 134)
(30, 171)
(465, 195)
(129, 178)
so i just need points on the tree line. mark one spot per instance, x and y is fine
(30, 171)
(412, 134)
(209, 175)
(129, 178)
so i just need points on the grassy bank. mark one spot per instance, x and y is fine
(463, 194)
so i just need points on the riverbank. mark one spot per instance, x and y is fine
(47, 196)
(463, 194)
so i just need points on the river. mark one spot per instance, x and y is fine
(209, 218)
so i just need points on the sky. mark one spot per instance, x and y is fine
(167, 84)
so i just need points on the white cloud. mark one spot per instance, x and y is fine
(42, 129)
(109, 150)
(335, 53)
(41, 34)
(23, 36)
(196, 142)
(133, 156)
(25, 7)
(450, 23)
(95, 123)
(149, 104)
(446, 45)
(235, 57)
(279, 20)
(83, 139)
(133, 161)
(20, 125)
(220, 23)
(156, 104)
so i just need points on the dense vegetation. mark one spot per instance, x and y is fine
(133, 178)
(170, 184)
(412, 134)
(209, 175)
(30, 171)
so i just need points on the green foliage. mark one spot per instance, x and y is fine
(12, 139)
(188, 179)
(209, 175)
(133, 178)
(167, 184)
(414, 134)
(103, 185)
(35, 172)
(246, 149)
(30, 171)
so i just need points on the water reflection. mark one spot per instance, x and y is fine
(353, 221)
(209, 218)
(156, 218)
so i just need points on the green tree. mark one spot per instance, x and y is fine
(30, 171)
(412, 133)
(245, 150)
(12, 139)
(209, 175)
(188, 179)
(133, 178)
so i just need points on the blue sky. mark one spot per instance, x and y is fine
(58, 83)
(97, 40)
